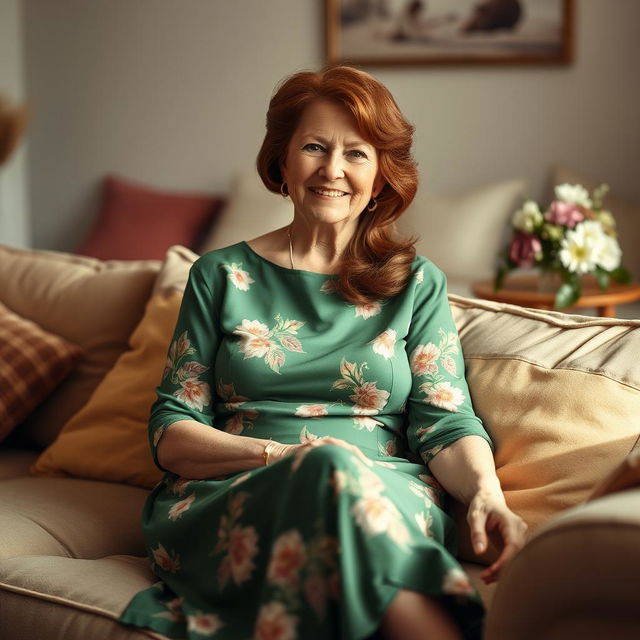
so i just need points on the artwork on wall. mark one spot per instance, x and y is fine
(460, 32)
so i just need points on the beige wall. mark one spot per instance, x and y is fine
(14, 217)
(174, 94)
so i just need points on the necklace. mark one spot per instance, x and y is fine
(290, 247)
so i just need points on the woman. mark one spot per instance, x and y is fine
(326, 358)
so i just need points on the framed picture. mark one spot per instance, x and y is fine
(449, 32)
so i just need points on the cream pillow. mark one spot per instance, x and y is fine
(463, 232)
(559, 395)
(107, 439)
(251, 211)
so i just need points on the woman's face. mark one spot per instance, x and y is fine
(330, 171)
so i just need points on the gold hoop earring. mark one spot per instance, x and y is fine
(375, 204)
(284, 190)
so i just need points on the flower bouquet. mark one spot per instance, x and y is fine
(574, 236)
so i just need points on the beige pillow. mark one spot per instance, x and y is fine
(463, 232)
(93, 304)
(251, 211)
(627, 215)
(107, 439)
(559, 395)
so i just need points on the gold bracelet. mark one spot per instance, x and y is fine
(267, 451)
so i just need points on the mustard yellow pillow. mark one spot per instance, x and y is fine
(107, 439)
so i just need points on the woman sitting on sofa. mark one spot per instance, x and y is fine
(325, 357)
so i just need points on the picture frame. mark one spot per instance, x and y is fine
(449, 32)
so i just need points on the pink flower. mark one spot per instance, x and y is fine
(204, 624)
(443, 395)
(524, 248)
(368, 310)
(424, 358)
(240, 278)
(311, 410)
(243, 546)
(194, 393)
(368, 398)
(179, 508)
(287, 558)
(274, 623)
(384, 344)
(234, 425)
(167, 561)
(565, 213)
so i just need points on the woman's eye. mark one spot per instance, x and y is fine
(312, 146)
(356, 153)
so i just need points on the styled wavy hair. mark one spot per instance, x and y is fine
(376, 264)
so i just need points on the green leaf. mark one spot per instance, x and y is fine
(567, 294)
(621, 275)
(602, 277)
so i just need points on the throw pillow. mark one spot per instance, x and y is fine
(251, 211)
(559, 395)
(93, 304)
(627, 215)
(107, 439)
(32, 364)
(137, 222)
(462, 233)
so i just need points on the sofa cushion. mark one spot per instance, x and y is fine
(93, 304)
(107, 439)
(559, 394)
(16, 462)
(69, 517)
(251, 211)
(139, 222)
(67, 599)
(463, 232)
(33, 362)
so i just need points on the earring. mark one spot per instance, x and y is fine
(284, 190)
(374, 206)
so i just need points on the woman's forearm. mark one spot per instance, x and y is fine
(466, 468)
(193, 450)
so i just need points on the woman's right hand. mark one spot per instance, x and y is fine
(279, 451)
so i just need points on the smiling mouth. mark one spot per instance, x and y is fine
(329, 193)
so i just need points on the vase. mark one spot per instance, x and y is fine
(549, 281)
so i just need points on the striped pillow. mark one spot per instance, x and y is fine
(32, 363)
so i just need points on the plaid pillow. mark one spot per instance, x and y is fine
(32, 364)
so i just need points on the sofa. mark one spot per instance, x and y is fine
(559, 394)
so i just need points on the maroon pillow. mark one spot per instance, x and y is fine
(137, 222)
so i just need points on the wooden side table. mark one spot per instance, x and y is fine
(523, 291)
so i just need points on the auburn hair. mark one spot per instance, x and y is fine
(376, 263)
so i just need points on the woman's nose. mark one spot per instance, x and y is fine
(332, 167)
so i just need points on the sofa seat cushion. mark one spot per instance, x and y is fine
(69, 517)
(69, 599)
(16, 462)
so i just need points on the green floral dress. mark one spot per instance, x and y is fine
(316, 545)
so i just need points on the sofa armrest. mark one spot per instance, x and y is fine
(576, 577)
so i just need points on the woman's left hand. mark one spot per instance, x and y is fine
(490, 517)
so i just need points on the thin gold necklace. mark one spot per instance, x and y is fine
(290, 247)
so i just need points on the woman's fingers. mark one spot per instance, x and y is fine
(341, 443)
(509, 532)
(477, 519)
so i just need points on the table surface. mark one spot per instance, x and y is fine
(523, 290)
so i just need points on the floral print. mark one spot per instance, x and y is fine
(166, 561)
(275, 623)
(204, 624)
(287, 558)
(258, 341)
(384, 344)
(368, 310)
(241, 279)
(241, 418)
(425, 362)
(179, 508)
(311, 410)
(192, 391)
(367, 398)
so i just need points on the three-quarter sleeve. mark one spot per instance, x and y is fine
(439, 407)
(185, 391)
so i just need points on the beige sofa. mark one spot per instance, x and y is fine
(559, 394)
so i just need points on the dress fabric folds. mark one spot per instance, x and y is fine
(317, 545)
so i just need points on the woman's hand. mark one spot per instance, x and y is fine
(279, 451)
(490, 517)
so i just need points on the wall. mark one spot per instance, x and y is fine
(14, 216)
(174, 94)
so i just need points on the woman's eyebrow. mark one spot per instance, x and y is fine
(325, 141)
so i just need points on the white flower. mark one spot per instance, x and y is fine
(384, 344)
(194, 393)
(364, 422)
(527, 218)
(369, 310)
(443, 395)
(179, 508)
(311, 410)
(204, 624)
(573, 194)
(420, 276)
(456, 583)
(609, 254)
(424, 359)
(424, 524)
(374, 514)
(241, 279)
(579, 250)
